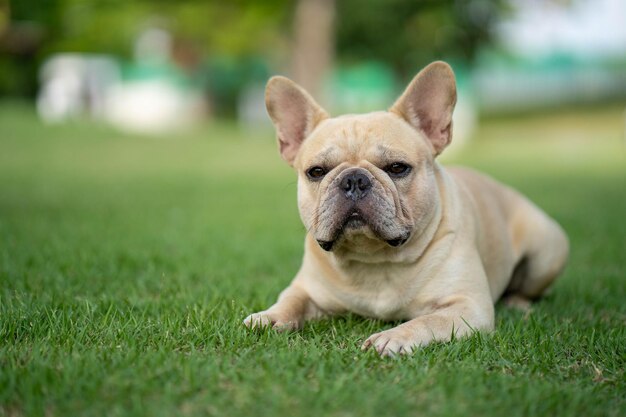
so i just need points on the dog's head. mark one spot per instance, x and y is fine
(366, 181)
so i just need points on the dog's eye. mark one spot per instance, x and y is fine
(397, 169)
(316, 173)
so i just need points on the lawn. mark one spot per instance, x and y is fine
(127, 264)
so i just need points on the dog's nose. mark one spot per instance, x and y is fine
(355, 185)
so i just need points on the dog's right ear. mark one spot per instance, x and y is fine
(294, 113)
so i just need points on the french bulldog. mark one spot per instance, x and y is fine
(391, 233)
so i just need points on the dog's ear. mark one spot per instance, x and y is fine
(428, 102)
(294, 113)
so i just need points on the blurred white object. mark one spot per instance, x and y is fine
(464, 121)
(152, 106)
(584, 28)
(74, 84)
(153, 100)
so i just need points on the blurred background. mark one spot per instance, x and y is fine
(156, 66)
(145, 211)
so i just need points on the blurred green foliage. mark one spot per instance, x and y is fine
(404, 34)
(409, 34)
(236, 29)
(233, 27)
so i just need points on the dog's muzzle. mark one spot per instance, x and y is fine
(355, 185)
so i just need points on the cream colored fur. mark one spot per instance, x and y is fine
(471, 239)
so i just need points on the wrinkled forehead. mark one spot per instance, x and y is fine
(372, 136)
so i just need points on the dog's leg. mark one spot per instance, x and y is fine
(293, 308)
(457, 316)
(543, 247)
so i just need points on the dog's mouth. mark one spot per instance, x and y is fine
(354, 221)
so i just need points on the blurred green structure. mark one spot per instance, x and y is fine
(361, 88)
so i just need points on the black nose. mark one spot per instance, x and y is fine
(355, 185)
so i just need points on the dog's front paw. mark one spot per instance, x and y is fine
(269, 319)
(397, 341)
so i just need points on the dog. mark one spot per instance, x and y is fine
(392, 234)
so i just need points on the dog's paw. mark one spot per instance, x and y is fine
(269, 319)
(392, 342)
(518, 302)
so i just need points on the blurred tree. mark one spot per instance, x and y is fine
(19, 42)
(407, 34)
(313, 46)
(5, 15)
(237, 28)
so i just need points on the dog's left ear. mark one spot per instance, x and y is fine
(428, 102)
(294, 113)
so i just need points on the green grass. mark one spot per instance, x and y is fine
(128, 263)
